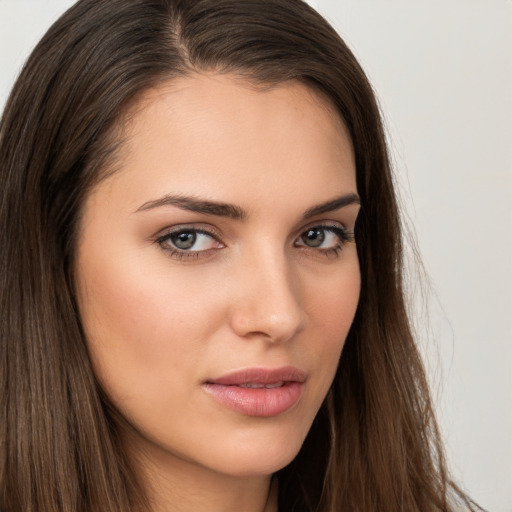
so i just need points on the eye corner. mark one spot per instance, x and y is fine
(186, 242)
(326, 238)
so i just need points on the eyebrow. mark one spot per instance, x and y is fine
(235, 212)
(197, 205)
(333, 204)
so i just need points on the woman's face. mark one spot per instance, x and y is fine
(216, 272)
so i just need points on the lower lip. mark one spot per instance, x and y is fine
(262, 402)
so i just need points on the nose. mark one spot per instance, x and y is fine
(268, 303)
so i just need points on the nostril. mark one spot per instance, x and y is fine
(255, 321)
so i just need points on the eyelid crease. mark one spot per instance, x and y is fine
(345, 235)
(162, 239)
(170, 230)
(165, 243)
(327, 224)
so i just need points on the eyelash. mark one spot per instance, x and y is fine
(344, 236)
(164, 241)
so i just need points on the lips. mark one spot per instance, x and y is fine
(258, 391)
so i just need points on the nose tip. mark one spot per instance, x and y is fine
(270, 307)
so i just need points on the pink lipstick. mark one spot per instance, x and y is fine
(258, 391)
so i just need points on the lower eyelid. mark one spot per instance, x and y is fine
(343, 234)
(165, 243)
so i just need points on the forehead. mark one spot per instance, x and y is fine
(203, 88)
(229, 98)
(204, 134)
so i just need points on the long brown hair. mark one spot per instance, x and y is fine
(374, 445)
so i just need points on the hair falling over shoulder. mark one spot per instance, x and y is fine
(374, 446)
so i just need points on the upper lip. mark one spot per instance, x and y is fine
(260, 376)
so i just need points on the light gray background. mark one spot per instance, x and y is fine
(442, 70)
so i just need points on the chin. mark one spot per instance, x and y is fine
(256, 465)
(257, 455)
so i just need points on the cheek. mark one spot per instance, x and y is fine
(333, 300)
(141, 322)
(334, 311)
(152, 331)
(146, 331)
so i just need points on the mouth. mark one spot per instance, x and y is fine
(258, 391)
(259, 385)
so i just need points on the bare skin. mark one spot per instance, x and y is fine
(176, 292)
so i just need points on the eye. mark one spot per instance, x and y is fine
(325, 238)
(188, 242)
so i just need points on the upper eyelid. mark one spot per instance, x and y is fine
(163, 241)
(214, 233)
(165, 232)
(326, 224)
(346, 233)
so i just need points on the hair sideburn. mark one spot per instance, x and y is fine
(374, 445)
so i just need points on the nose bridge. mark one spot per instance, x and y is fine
(269, 302)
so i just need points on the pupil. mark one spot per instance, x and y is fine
(184, 240)
(314, 237)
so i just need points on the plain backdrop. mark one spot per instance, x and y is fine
(442, 70)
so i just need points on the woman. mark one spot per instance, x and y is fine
(192, 319)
